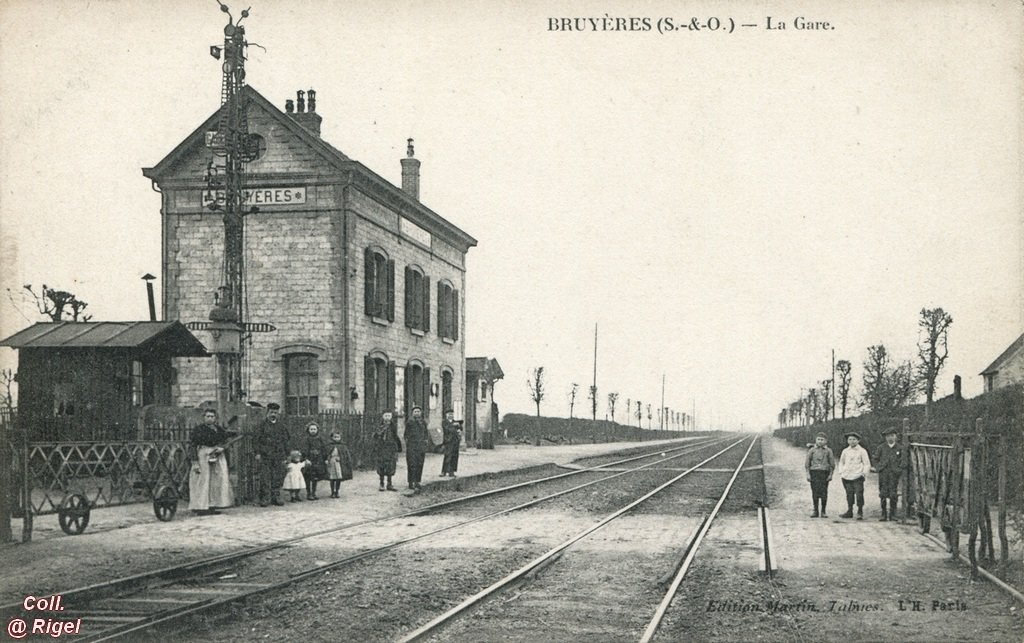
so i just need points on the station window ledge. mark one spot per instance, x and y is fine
(417, 332)
(380, 321)
(448, 340)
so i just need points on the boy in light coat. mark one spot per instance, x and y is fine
(854, 464)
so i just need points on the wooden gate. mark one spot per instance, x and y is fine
(947, 478)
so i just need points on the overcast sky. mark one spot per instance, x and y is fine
(729, 208)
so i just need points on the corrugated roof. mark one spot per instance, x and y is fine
(1005, 355)
(172, 335)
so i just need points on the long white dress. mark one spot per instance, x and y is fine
(208, 484)
(293, 480)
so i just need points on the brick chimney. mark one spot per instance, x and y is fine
(957, 393)
(411, 173)
(308, 119)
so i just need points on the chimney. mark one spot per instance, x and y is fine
(411, 173)
(957, 394)
(308, 119)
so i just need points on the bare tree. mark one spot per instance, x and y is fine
(886, 387)
(812, 405)
(55, 303)
(649, 416)
(826, 399)
(932, 349)
(843, 384)
(574, 390)
(639, 415)
(7, 378)
(536, 385)
(612, 399)
(592, 396)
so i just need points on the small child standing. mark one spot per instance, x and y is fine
(819, 465)
(889, 465)
(293, 480)
(854, 465)
(316, 459)
(339, 463)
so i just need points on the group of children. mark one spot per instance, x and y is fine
(317, 461)
(853, 466)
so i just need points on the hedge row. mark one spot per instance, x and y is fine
(518, 427)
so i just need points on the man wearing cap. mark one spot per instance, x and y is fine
(854, 465)
(452, 440)
(889, 464)
(819, 466)
(270, 442)
(416, 442)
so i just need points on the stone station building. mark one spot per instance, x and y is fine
(364, 284)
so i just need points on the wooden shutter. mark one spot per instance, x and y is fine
(455, 314)
(440, 309)
(426, 304)
(391, 290)
(408, 390)
(408, 297)
(426, 392)
(368, 281)
(390, 397)
(370, 387)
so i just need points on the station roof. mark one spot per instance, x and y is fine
(1005, 356)
(170, 337)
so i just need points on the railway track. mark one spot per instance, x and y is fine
(130, 605)
(506, 624)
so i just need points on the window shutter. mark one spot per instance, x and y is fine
(391, 290)
(390, 396)
(408, 297)
(440, 309)
(426, 304)
(455, 314)
(426, 392)
(408, 390)
(370, 385)
(368, 280)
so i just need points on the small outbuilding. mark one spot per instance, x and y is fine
(90, 380)
(481, 409)
(1007, 369)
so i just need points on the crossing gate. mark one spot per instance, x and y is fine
(948, 479)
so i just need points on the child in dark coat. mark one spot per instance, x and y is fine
(386, 447)
(889, 465)
(316, 459)
(339, 463)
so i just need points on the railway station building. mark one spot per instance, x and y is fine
(364, 284)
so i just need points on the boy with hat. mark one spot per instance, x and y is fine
(854, 465)
(819, 466)
(889, 464)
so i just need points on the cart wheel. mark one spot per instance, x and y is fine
(165, 503)
(73, 514)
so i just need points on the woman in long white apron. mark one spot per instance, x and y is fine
(209, 486)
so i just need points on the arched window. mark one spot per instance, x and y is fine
(447, 311)
(378, 384)
(417, 388)
(379, 284)
(446, 390)
(301, 384)
(417, 299)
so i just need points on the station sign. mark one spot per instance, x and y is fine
(295, 195)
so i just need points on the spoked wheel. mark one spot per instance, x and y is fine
(165, 503)
(73, 514)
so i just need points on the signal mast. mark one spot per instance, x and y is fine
(232, 146)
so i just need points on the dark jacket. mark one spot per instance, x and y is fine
(271, 440)
(385, 439)
(888, 459)
(316, 453)
(417, 440)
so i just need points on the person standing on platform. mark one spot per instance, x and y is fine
(416, 444)
(270, 442)
(819, 466)
(208, 486)
(386, 447)
(452, 440)
(316, 459)
(889, 464)
(854, 465)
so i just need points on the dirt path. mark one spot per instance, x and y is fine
(869, 580)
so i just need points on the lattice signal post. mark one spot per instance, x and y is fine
(232, 147)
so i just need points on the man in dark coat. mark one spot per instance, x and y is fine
(452, 439)
(888, 459)
(416, 443)
(270, 442)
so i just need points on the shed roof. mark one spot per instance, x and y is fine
(170, 336)
(1004, 356)
(486, 365)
